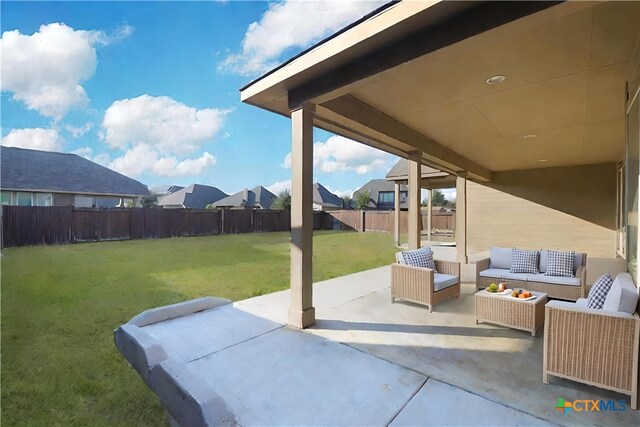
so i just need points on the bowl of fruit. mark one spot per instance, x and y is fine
(522, 294)
(492, 288)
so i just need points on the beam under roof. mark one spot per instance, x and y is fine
(353, 109)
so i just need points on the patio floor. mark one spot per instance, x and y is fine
(489, 365)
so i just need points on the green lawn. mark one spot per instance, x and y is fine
(60, 305)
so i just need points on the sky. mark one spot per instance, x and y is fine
(151, 89)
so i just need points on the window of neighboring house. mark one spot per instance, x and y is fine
(7, 197)
(83, 202)
(24, 199)
(403, 196)
(44, 199)
(385, 199)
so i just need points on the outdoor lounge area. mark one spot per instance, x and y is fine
(365, 361)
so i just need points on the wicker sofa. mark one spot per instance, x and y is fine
(423, 285)
(595, 347)
(497, 267)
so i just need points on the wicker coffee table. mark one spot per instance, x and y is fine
(505, 310)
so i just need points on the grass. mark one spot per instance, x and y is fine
(60, 305)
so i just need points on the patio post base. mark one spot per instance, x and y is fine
(302, 319)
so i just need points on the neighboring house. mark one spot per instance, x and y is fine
(325, 200)
(162, 190)
(45, 178)
(195, 196)
(382, 194)
(430, 177)
(256, 198)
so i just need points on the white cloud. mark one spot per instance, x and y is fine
(46, 70)
(450, 194)
(102, 159)
(78, 132)
(341, 193)
(340, 154)
(83, 152)
(143, 158)
(167, 125)
(87, 152)
(292, 24)
(155, 132)
(34, 138)
(279, 186)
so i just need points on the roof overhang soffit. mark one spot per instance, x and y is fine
(358, 114)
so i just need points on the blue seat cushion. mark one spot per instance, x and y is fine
(554, 280)
(443, 281)
(503, 273)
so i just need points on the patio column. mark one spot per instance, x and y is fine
(415, 164)
(461, 219)
(302, 312)
(396, 214)
(429, 207)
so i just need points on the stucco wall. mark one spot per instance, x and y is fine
(571, 208)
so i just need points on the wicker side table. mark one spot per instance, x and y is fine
(505, 310)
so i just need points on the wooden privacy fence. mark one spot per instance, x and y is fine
(385, 220)
(34, 225)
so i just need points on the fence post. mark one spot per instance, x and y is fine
(253, 220)
(362, 219)
(222, 220)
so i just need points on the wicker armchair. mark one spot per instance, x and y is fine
(417, 285)
(594, 347)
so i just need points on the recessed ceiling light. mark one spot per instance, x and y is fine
(494, 80)
(529, 136)
(542, 160)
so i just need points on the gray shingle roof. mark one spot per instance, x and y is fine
(24, 169)
(195, 196)
(375, 186)
(324, 197)
(165, 189)
(257, 197)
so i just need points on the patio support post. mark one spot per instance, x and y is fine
(461, 219)
(429, 207)
(396, 214)
(301, 312)
(415, 164)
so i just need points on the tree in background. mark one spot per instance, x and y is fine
(438, 198)
(149, 201)
(362, 200)
(282, 201)
(346, 202)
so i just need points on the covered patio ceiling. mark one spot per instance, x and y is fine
(413, 76)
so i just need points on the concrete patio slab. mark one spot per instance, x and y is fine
(199, 334)
(286, 377)
(326, 294)
(439, 404)
(500, 364)
(365, 362)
